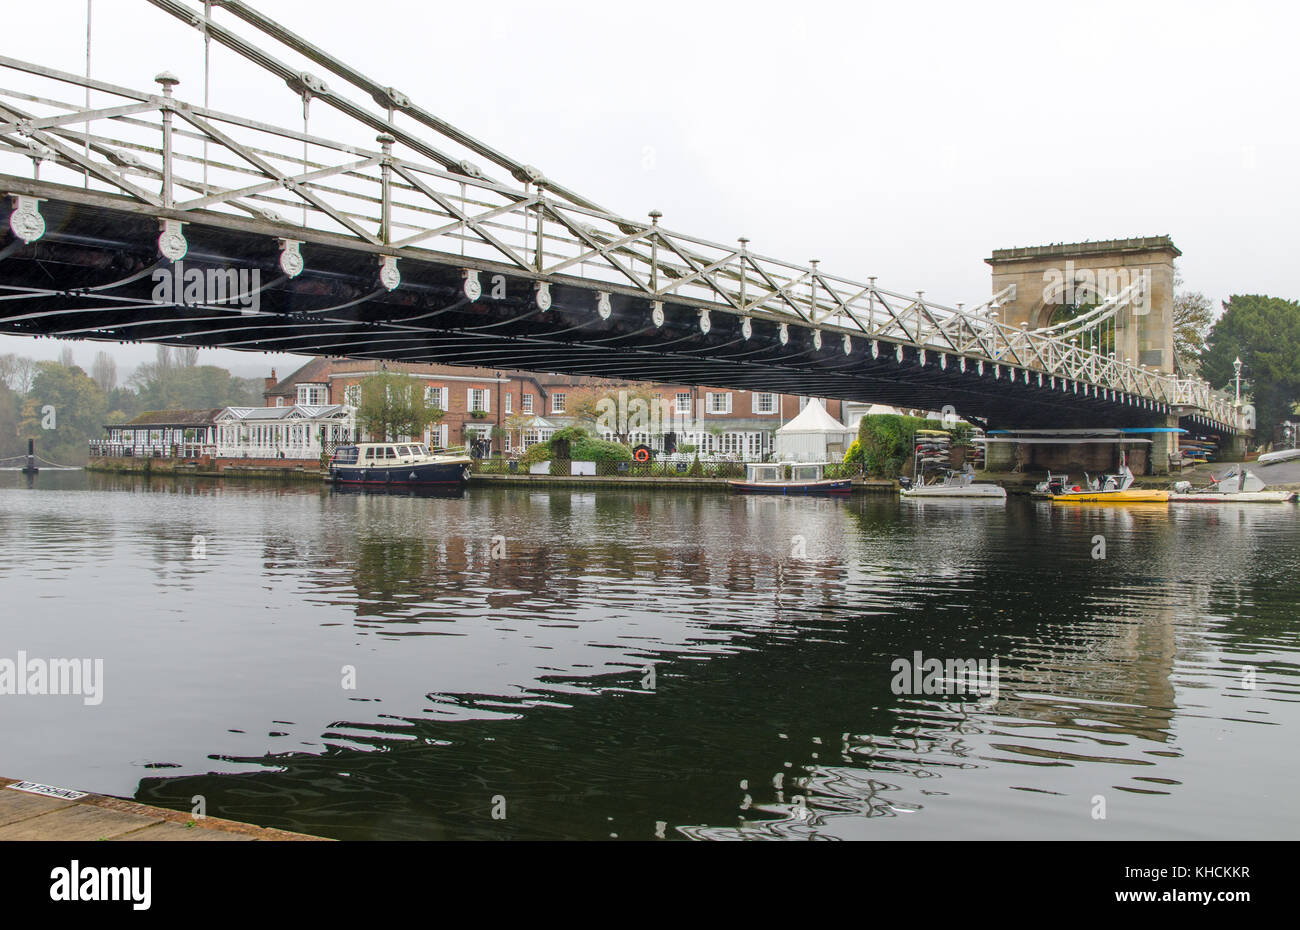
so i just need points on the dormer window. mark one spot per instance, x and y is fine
(313, 395)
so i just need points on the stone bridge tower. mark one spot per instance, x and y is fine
(1083, 273)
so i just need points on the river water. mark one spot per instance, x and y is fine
(517, 663)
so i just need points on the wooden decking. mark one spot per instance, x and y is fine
(27, 814)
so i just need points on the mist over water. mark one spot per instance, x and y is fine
(588, 664)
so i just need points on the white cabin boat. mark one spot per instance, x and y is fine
(398, 463)
(956, 484)
(1237, 486)
(805, 478)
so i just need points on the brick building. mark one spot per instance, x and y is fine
(529, 406)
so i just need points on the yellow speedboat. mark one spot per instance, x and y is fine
(1111, 489)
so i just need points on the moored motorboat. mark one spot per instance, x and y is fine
(1111, 489)
(1238, 486)
(805, 478)
(1055, 484)
(397, 464)
(960, 484)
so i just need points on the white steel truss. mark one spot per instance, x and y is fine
(404, 193)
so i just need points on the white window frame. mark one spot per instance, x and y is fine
(764, 397)
(682, 403)
(526, 403)
(437, 396)
(508, 399)
(352, 395)
(710, 400)
(558, 402)
(308, 392)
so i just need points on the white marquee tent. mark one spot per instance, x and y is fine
(813, 436)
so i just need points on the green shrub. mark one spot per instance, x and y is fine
(582, 448)
(539, 452)
(600, 450)
(886, 442)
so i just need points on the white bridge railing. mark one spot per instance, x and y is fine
(400, 193)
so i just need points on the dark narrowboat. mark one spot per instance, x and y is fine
(395, 464)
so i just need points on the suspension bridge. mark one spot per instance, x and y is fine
(139, 214)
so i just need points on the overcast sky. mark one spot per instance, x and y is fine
(900, 140)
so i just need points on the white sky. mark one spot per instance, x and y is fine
(900, 140)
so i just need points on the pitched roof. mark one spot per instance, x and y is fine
(813, 419)
(316, 371)
(161, 418)
(293, 412)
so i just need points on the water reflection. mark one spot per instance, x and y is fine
(650, 665)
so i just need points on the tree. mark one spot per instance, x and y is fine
(1264, 332)
(64, 408)
(619, 408)
(17, 372)
(1193, 317)
(9, 444)
(393, 405)
(104, 371)
(162, 386)
(66, 358)
(516, 423)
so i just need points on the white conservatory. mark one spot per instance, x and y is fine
(283, 432)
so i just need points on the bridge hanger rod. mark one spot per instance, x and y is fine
(387, 97)
(384, 96)
(295, 80)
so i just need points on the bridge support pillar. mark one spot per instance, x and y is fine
(1162, 446)
(1000, 456)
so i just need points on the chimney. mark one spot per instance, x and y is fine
(271, 381)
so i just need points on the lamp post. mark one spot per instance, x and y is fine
(1236, 366)
(500, 390)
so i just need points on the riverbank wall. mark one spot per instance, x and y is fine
(274, 469)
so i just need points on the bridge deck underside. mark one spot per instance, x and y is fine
(338, 306)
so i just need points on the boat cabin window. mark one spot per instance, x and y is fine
(389, 452)
(345, 455)
(370, 452)
(764, 472)
(403, 450)
(806, 472)
(419, 449)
